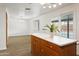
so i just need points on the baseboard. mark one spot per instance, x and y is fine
(18, 35)
(3, 48)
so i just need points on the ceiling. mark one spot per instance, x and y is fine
(20, 10)
(28, 10)
(45, 10)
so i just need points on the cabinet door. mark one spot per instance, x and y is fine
(35, 46)
(45, 51)
(38, 47)
(51, 52)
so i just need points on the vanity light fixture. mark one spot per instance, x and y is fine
(50, 5)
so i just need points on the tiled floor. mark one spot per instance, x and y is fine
(18, 46)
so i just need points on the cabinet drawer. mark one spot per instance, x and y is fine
(45, 51)
(51, 46)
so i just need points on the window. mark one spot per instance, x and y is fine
(67, 26)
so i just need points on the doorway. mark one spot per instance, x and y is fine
(16, 45)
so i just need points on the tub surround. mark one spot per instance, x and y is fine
(43, 45)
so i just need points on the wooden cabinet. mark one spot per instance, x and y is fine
(35, 46)
(41, 47)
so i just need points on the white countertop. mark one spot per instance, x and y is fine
(61, 41)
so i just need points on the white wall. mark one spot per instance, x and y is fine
(46, 18)
(2, 28)
(17, 21)
(18, 27)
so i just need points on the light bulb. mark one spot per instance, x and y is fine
(50, 6)
(60, 3)
(44, 7)
(54, 5)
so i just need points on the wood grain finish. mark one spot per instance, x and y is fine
(42, 47)
(35, 46)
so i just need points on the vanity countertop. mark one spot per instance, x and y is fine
(58, 40)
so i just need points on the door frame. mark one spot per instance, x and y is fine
(6, 29)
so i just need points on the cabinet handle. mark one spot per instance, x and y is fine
(51, 46)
